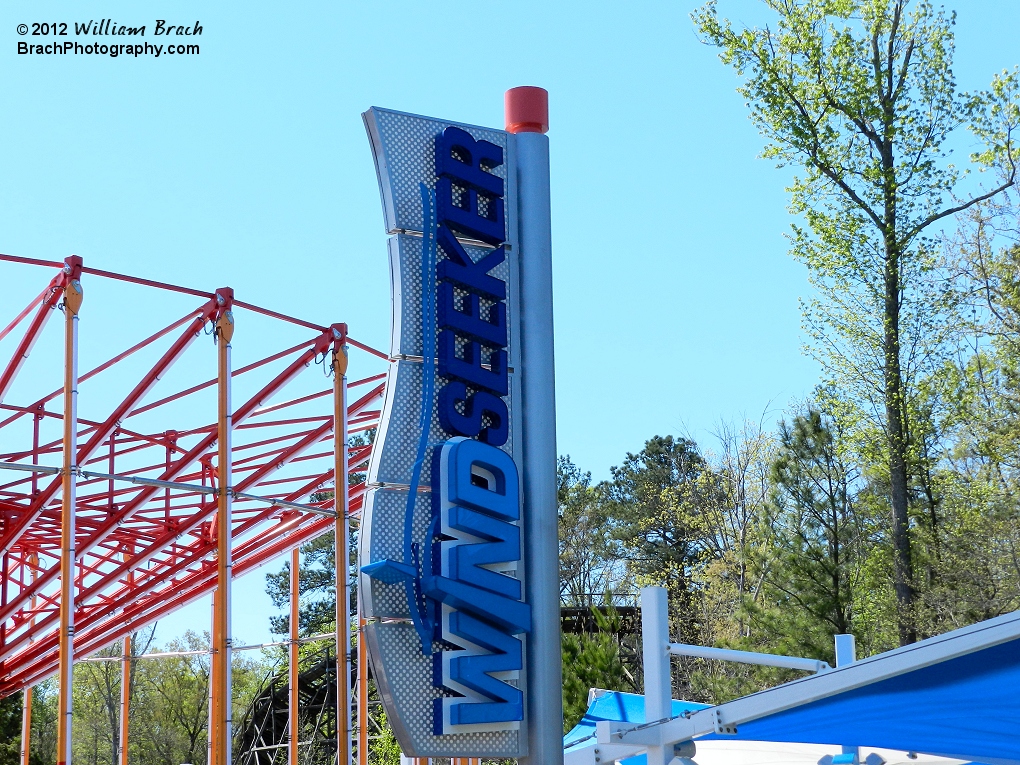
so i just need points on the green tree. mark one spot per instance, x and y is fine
(818, 539)
(44, 723)
(977, 565)
(660, 504)
(742, 466)
(317, 585)
(592, 661)
(657, 500)
(384, 749)
(96, 701)
(170, 715)
(10, 729)
(589, 556)
(861, 95)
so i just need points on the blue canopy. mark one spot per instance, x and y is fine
(956, 696)
(966, 708)
(619, 707)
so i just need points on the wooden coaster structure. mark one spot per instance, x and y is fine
(164, 471)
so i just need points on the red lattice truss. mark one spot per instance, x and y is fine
(149, 410)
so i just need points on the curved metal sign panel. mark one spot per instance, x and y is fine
(440, 552)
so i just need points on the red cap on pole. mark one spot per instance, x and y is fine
(527, 110)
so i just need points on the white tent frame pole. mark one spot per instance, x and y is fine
(749, 657)
(846, 653)
(658, 676)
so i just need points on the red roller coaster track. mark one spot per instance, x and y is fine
(147, 440)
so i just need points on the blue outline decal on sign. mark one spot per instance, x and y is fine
(410, 569)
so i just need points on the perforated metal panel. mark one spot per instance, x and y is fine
(409, 694)
(397, 440)
(403, 146)
(406, 278)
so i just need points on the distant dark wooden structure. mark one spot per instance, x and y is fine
(578, 620)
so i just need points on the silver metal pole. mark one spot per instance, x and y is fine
(544, 686)
(655, 650)
(748, 657)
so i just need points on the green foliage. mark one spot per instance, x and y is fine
(317, 612)
(820, 533)
(589, 558)
(44, 723)
(10, 729)
(591, 661)
(169, 706)
(655, 501)
(384, 749)
(687, 520)
(861, 96)
(96, 703)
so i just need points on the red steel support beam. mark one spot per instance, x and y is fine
(250, 555)
(51, 296)
(320, 345)
(167, 537)
(253, 555)
(28, 309)
(209, 383)
(105, 365)
(111, 598)
(112, 422)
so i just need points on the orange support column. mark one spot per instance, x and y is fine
(295, 590)
(72, 304)
(26, 725)
(340, 504)
(213, 696)
(221, 676)
(362, 691)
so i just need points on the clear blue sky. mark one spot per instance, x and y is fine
(247, 166)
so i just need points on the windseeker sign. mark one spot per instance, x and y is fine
(441, 553)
